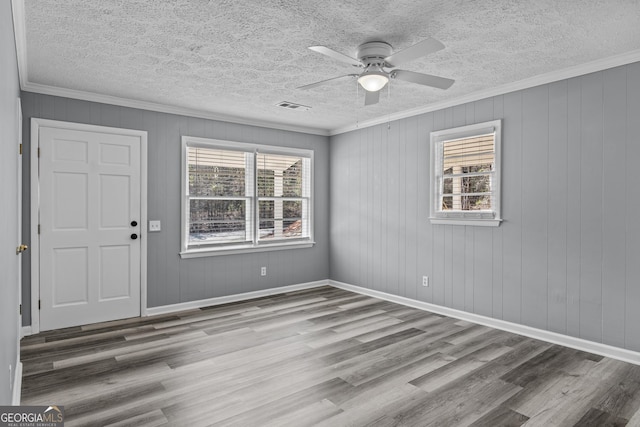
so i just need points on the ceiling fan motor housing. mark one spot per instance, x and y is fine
(374, 52)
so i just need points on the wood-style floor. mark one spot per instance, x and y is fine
(320, 357)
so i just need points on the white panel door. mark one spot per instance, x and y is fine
(89, 227)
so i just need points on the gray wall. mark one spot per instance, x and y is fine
(9, 290)
(173, 280)
(567, 256)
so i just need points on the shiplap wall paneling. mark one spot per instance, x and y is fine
(614, 185)
(591, 207)
(354, 199)
(456, 251)
(411, 211)
(401, 209)
(511, 193)
(383, 215)
(574, 205)
(557, 191)
(363, 200)
(424, 231)
(439, 255)
(339, 181)
(535, 161)
(389, 220)
(632, 202)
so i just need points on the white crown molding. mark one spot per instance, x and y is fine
(162, 108)
(554, 76)
(618, 353)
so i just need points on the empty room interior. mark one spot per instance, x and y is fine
(335, 213)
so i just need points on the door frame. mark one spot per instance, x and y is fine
(36, 124)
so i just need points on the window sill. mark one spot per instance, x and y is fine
(466, 221)
(244, 249)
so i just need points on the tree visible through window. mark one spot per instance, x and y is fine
(239, 195)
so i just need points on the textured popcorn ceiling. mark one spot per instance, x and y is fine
(241, 57)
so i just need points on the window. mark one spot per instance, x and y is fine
(465, 175)
(244, 197)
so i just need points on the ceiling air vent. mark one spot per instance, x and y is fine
(293, 106)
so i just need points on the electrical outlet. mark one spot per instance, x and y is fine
(425, 281)
(263, 271)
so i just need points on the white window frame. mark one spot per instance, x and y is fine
(255, 245)
(491, 218)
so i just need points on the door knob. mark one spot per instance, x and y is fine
(134, 223)
(21, 249)
(134, 236)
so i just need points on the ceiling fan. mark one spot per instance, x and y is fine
(379, 62)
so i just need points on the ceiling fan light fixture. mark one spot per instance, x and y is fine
(373, 78)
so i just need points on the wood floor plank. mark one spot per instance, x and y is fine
(569, 397)
(622, 399)
(598, 418)
(374, 407)
(459, 368)
(322, 356)
(501, 416)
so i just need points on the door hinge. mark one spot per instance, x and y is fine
(38, 228)
(20, 309)
(39, 304)
(20, 150)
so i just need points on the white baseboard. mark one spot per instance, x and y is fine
(551, 337)
(25, 331)
(173, 308)
(17, 385)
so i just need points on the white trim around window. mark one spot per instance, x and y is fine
(241, 197)
(466, 175)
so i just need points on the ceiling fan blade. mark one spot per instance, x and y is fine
(321, 82)
(416, 51)
(422, 79)
(371, 98)
(336, 55)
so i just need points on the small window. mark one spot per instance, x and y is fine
(465, 175)
(244, 197)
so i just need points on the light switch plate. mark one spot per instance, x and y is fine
(154, 225)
